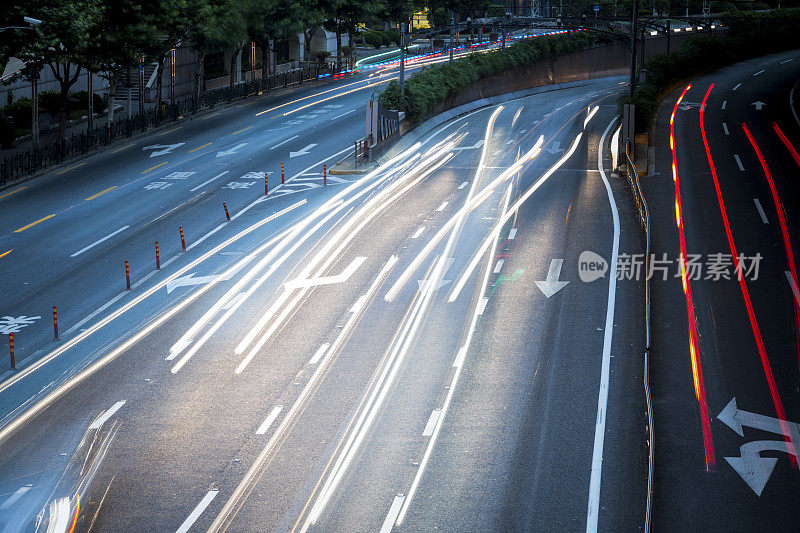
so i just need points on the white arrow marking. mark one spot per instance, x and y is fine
(189, 279)
(551, 285)
(302, 151)
(735, 418)
(105, 416)
(231, 150)
(167, 148)
(793, 286)
(555, 148)
(16, 496)
(423, 283)
(754, 469)
(327, 280)
(758, 105)
(473, 147)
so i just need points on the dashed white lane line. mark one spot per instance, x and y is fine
(724, 104)
(460, 356)
(793, 286)
(499, 265)
(725, 128)
(512, 234)
(192, 518)
(344, 114)
(269, 420)
(761, 211)
(418, 232)
(462, 185)
(428, 431)
(233, 301)
(759, 72)
(208, 181)
(15, 497)
(317, 356)
(394, 510)
(284, 142)
(359, 304)
(482, 305)
(441, 207)
(737, 86)
(738, 162)
(100, 420)
(786, 61)
(95, 243)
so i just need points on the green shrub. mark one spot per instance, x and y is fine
(50, 102)
(373, 38)
(391, 37)
(434, 85)
(320, 55)
(20, 112)
(496, 10)
(7, 134)
(79, 100)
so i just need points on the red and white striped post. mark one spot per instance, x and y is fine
(158, 258)
(11, 347)
(227, 215)
(283, 175)
(127, 275)
(183, 241)
(55, 324)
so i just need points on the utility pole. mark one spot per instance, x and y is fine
(634, 32)
(505, 26)
(402, 60)
(452, 31)
(90, 102)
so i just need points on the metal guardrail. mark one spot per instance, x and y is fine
(644, 221)
(57, 151)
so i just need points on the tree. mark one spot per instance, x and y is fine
(274, 20)
(345, 18)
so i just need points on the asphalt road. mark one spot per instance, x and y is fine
(725, 382)
(396, 350)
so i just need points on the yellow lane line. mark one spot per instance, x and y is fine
(153, 168)
(12, 192)
(170, 131)
(6, 253)
(240, 131)
(121, 149)
(71, 168)
(23, 228)
(209, 116)
(101, 193)
(199, 147)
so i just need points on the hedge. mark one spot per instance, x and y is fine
(749, 35)
(434, 85)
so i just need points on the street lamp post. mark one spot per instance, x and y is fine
(402, 60)
(634, 32)
(505, 25)
(452, 28)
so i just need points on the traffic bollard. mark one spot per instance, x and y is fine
(158, 258)
(266, 184)
(55, 323)
(227, 215)
(324, 174)
(11, 347)
(183, 241)
(127, 275)
(283, 176)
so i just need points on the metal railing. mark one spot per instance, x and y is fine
(57, 151)
(644, 221)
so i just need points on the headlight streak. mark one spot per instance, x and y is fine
(343, 237)
(475, 202)
(459, 365)
(232, 505)
(502, 220)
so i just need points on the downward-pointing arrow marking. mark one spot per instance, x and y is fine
(555, 148)
(754, 469)
(302, 151)
(551, 285)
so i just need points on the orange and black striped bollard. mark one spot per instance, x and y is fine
(283, 176)
(227, 215)
(55, 323)
(127, 275)
(183, 241)
(266, 184)
(158, 258)
(324, 174)
(11, 347)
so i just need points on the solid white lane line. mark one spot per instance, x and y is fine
(95, 243)
(192, 518)
(441, 207)
(16, 496)
(512, 234)
(602, 400)
(725, 128)
(96, 312)
(463, 185)
(786, 61)
(418, 232)
(737, 86)
(482, 305)
(499, 265)
(343, 114)
(759, 72)
(724, 104)
(428, 431)
(269, 420)
(793, 286)
(761, 211)
(100, 420)
(460, 356)
(738, 162)
(317, 356)
(284, 142)
(394, 510)
(208, 181)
